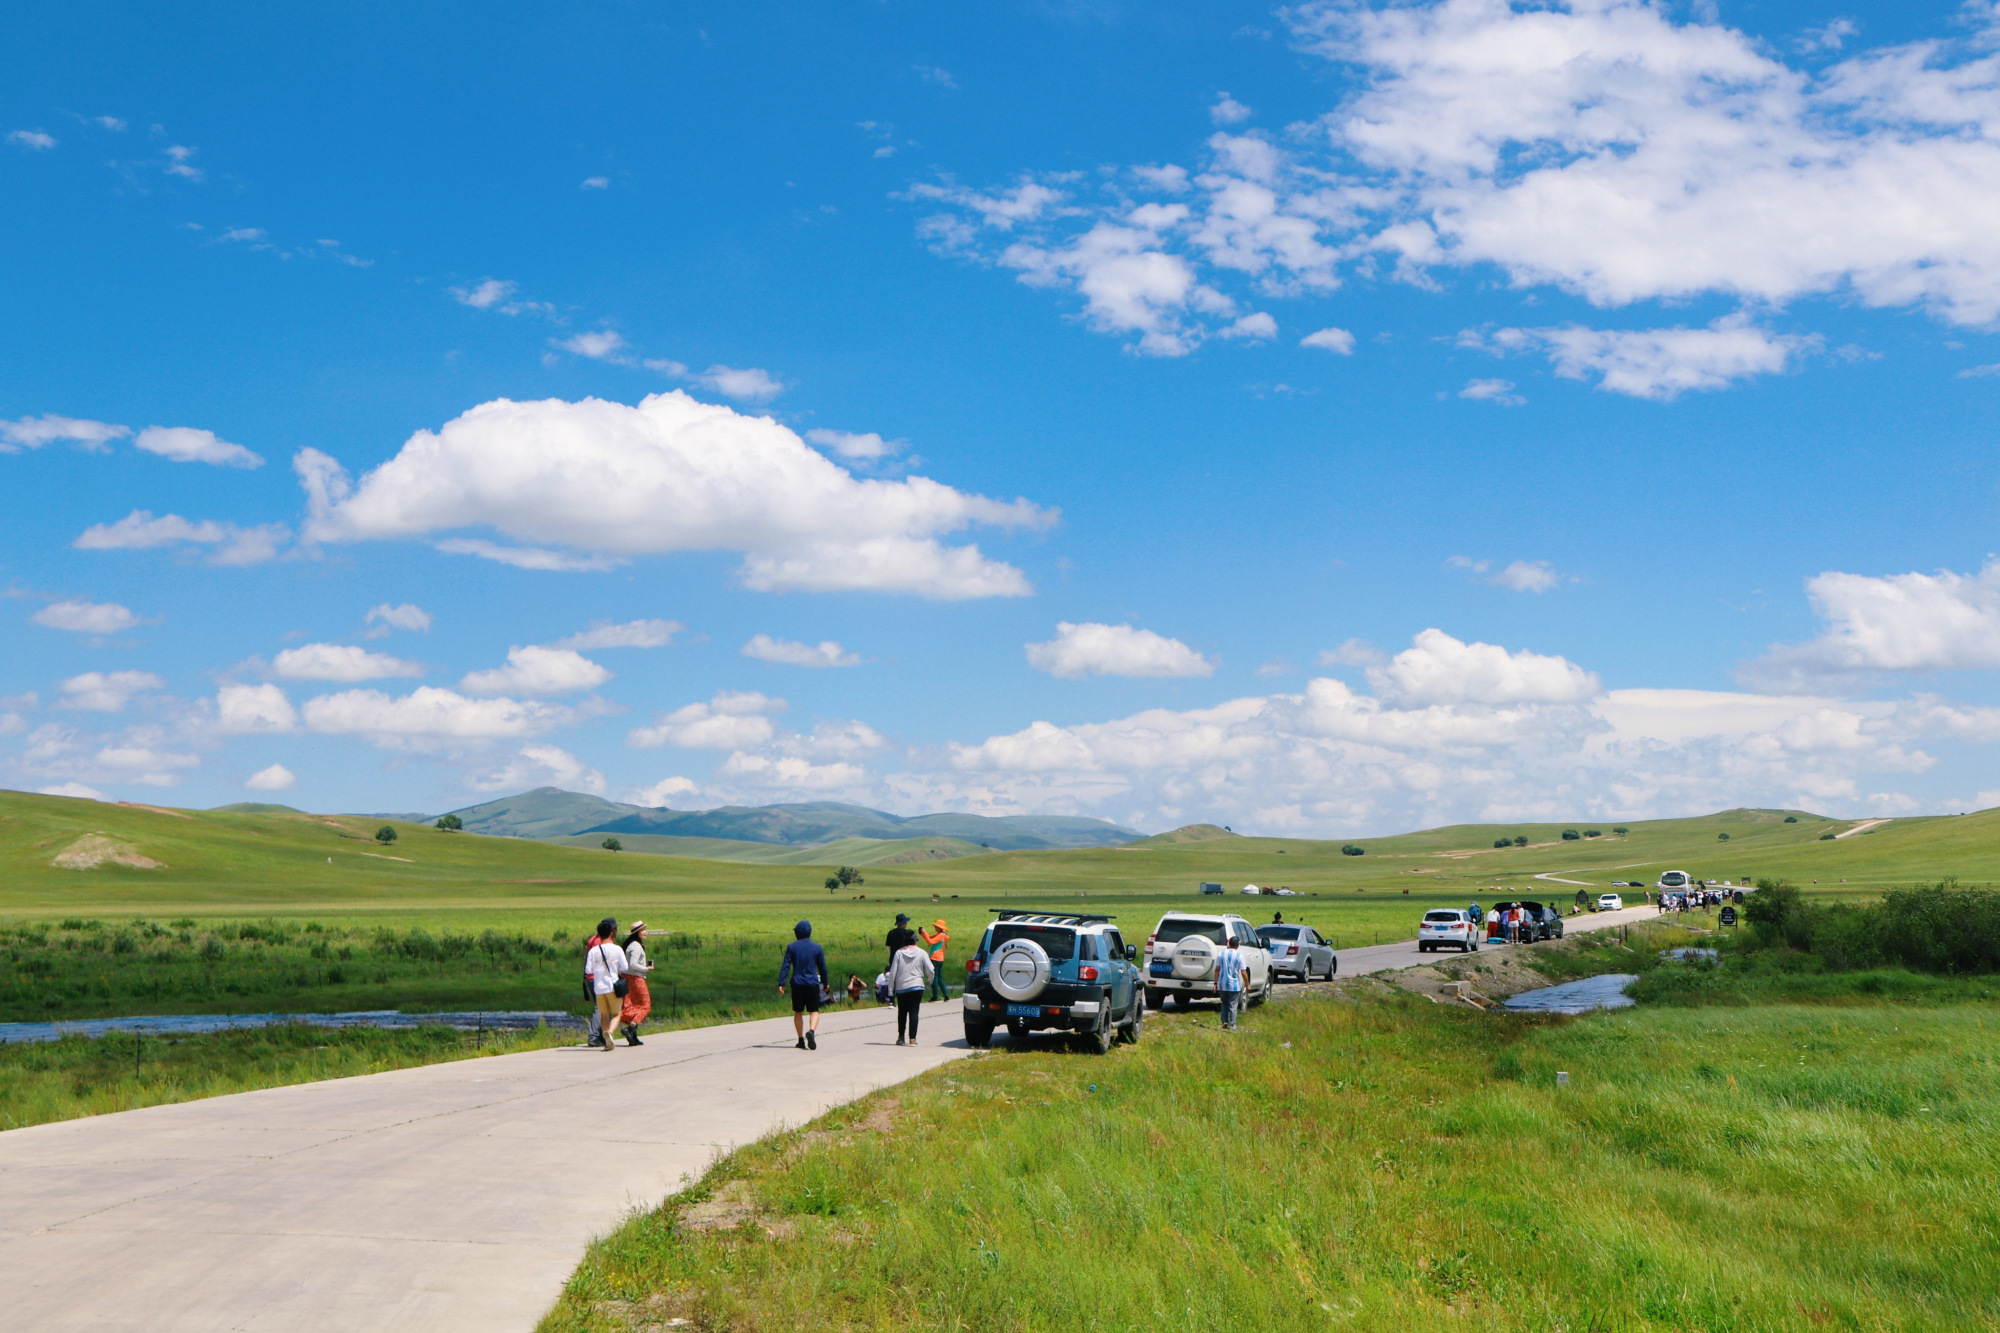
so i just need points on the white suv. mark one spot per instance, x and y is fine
(1180, 957)
(1610, 902)
(1444, 926)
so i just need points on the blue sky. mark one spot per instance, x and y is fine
(1321, 421)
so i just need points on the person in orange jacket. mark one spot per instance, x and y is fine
(935, 940)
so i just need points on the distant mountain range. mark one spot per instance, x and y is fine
(550, 812)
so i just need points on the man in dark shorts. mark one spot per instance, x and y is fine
(805, 968)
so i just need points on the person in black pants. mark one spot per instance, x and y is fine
(909, 971)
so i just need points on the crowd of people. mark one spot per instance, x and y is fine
(615, 980)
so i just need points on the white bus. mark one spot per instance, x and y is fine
(1675, 881)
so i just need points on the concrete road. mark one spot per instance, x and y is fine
(456, 1196)
(1403, 953)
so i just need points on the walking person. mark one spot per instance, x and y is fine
(638, 998)
(805, 969)
(909, 969)
(1232, 979)
(935, 942)
(593, 1028)
(605, 966)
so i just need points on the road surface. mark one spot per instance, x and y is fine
(455, 1196)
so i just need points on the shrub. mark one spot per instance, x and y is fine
(612, 845)
(1722, 837)
(1828, 837)
(1791, 819)
(1349, 849)
(450, 823)
(1593, 833)
(1571, 835)
(1503, 842)
(385, 835)
(1777, 914)
(1521, 840)
(1621, 832)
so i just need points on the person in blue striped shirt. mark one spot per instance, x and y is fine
(1232, 982)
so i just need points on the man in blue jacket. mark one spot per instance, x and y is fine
(805, 967)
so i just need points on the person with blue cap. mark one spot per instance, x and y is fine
(805, 968)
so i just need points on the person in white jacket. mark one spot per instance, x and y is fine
(910, 971)
(603, 966)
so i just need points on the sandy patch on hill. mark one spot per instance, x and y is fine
(94, 849)
(156, 809)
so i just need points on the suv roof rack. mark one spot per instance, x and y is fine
(1050, 918)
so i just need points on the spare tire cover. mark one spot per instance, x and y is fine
(1194, 957)
(1019, 969)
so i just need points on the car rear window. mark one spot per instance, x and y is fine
(1058, 942)
(1441, 916)
(1278, 932)
(1173, 930)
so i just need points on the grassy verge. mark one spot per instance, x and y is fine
(61, 1080)
(1392, 1165)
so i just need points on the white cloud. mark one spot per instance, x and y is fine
(1659, 364)
(34, 432)
(538, 766)
(595, 183)
(111, 123)
(1338, 341)
(1228, 111)
(339, 662)
(1491, 391)
(251, 710)
(747, 384)
(1256, 327)
(536, 670)
(860, 448)
(601, 345)
(428, 717)
(75, 789)
(178, 166)
(937, 74)
(662, 792)
(524, 557)
(1904, 622)
(1620, 151)
(407, 616)
(185, 444)
(87, 617)
(631, 634)
(824, 654)
(275, 778)
(231, 545)
(39, 140)
(1114, 650)
(1354, 652)
(1438, 669)
(732, 720)
(671, 474)
(1520, 575)
(485, 296)
(106, 692)
(791, 773)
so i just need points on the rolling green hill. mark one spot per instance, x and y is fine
(545, 812)
(820, 822)
(840, 852)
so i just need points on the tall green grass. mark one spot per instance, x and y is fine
(1381, 1166)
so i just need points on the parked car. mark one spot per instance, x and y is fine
(1542, 921)
(1180, 957)
(1298, 951)
(1447, 927)
(1066, 971)
(1610, 902)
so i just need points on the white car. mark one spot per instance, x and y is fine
(1610, 902)
(1180, 957)
(1447, 927)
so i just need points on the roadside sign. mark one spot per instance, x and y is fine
(1729, 916)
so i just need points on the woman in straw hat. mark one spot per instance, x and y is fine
(638, 999)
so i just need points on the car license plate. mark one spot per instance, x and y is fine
(1024, 1011)
(1163, 969)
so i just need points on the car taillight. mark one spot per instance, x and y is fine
(972, 964)
(1087, 973)
(1149, 942)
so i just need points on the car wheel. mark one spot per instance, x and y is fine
(1101, 1038)
(1270, 983)
(978, 1035)
(1129, 1031)
(1155, 997)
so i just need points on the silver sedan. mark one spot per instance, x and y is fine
(1298, 951)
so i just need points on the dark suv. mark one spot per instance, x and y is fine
(1065, 971)
(1543, 922)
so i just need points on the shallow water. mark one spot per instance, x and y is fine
(183, 1025)
(1578, 997)
(1683, 955)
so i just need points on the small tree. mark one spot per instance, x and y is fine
(450, 823)
(1722, 837)
(1349, 849)
(832, 883)
(1521, 840)
(1593, 833)
(612, 845)
(385, 835)
(1571, 835)
(849, 875)
(1621, 832)
(1791, 819)
(1828, 837)
(1503, 842)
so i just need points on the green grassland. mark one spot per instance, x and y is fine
(1384, 1164)
(839, 852)
(497, 916)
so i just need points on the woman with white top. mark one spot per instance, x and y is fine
(910, 971)
(638, 999)
(604, 965)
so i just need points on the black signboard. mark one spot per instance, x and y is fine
(1728, 916)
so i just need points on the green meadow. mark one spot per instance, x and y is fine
(1375, 1161)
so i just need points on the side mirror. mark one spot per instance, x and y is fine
(1131, 952)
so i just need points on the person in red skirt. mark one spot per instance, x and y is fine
(638, 1000)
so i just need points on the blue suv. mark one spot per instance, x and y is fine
(1065, 971)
